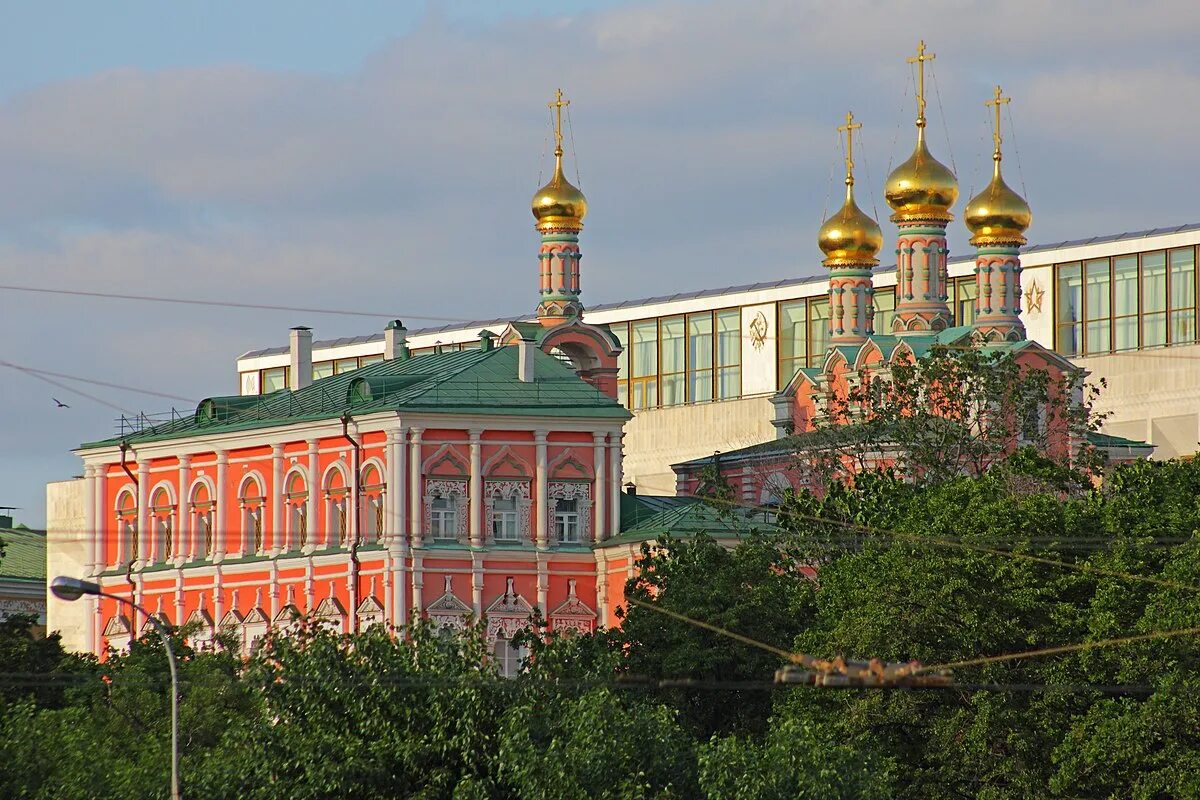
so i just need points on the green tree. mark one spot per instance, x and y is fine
(752, 589)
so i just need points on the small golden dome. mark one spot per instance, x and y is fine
(850, 236)
(997, 215)
(922, 187)
(558, 204)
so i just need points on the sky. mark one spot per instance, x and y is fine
(380, 156)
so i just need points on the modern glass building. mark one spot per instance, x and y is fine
(699, 368)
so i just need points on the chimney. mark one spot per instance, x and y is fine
(300, 344)
(395, 341)
(525, 360)
(487, 340)
(631, 489)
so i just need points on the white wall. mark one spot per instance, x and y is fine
(66, 554)
(657, 438)
(1154, 395)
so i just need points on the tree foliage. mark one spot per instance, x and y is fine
(950, 412)
(1014, 560)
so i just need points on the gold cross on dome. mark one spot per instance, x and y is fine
(919, 59)
(558, 105)
(849, 128)
(999, 100)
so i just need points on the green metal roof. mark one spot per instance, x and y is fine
(681, 517)
(24, 556)
(1109, 440)
(466, 382)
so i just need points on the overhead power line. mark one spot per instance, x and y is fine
(226, 304)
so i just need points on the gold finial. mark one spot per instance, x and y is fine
(558, 105)
(999, 100)
(919, 59)
(850, 238)
(997, 215)
(558, 204)
(849, 128)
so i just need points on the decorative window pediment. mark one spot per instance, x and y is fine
(369, 612)
(254, 629)
(201, 623)
(573, 614)
(286, 619)
(148, 626)
(331, 612)
(568, 467)
(448, 611)
(508, 613)
(118, 632)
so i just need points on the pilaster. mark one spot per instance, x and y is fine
(541, 495)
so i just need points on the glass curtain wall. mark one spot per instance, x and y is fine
(1126, 302)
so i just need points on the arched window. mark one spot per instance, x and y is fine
(162, 517)
(296, 498)
(127, 535)
(372, 489)
(337, 521)
(506, 497)
(202, 521)
(251, 500)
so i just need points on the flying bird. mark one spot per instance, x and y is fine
(59, 403)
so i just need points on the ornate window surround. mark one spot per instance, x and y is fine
(571, 490)
(443, 487)
(517, 489)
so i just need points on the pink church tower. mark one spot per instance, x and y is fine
(997, 218)
(921, 192)
(850, 239)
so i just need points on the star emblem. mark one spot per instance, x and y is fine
(1033, 297)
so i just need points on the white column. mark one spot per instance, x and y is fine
(418, 583)
(354, 506)
(143, 514)
(178, 618)
(104, 518)
(397, 526)
(417, 525)
(477, 584)
(543, 584)
(475, 528)
(614, 483)
(601, 588)
(313, 512)
(600, 526)
(185, 548)
(398, 521)
(91, 530)
(540, 498)
(221, 517)
(277, 531)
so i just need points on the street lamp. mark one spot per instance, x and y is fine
(71, 589)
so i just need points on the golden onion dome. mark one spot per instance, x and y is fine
(922, 187)
(850, 236)
(559, 204)
(997, 215)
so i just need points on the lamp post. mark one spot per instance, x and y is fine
(72, 589)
